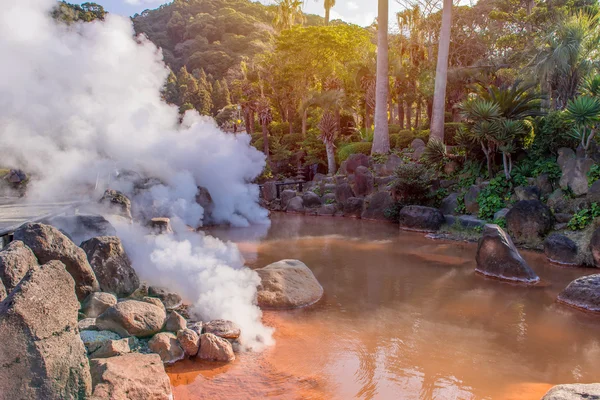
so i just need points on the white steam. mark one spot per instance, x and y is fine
(81, 101)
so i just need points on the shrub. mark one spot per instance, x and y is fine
(292, 140)
(392, 213)
(256, 136)
(404, 138)
(450, 131)
(594, 174)
(394, 129)
(279, 128)
(423, 135)
(411, 184)
(584, 217)
(551, 133)
(353, 148)
(259, 143)
(493, 197)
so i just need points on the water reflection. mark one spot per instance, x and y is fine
(403, 317)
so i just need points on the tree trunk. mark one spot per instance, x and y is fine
(367, 119)
(429, 103)
(251, 118)
(441, 75)
(338, 121)
(304, 121)
(247, 121)
(401, 114)
(265, 135)
(408, 115)
(418, 116)
(381, 136)
(290, 118)
(391, 108)
(330, 158)
(327, 16)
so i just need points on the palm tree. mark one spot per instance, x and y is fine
(441, 74)
(329, 4)
(328, 132)
(288, 12)
(381, 136)
(265, 117)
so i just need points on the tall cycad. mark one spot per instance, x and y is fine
(482, 126)
(288, 13)
(327, 126)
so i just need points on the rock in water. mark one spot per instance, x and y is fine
(222, 328)
(96, 303)
(576, 391)
(560, 249)
(165, 344)
(15, 260)
(498, 257)
(422, 219)
(214, 348)
(42, 356)
(189, 341)
(111, 265)
(48, 243)
(583, 293)
(376, 205)
(529, 219)
(132, 318)
(117, 203)
(287, 284)
(132, 376)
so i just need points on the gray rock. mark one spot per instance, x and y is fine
(96, 303)
(527, 193)
(471, 204)
(501, 213)
(563, 218)
(383, 183)
(3, 292)
(593, 195)
(286, 196)
(132, 318)
(420, 218)
(175, 322)
(583, 293)
(417, 144)
(354, 161)
(111, 265)
(449, 204)
(498, 257)
(575, 391)
(469, 221)
(564, 154)
(170, 299)
(529, 219)
(160, 226)
(223, 328)
(87, 324)
(544, 185)
(82, 227)
(112, 348)
(392, 163)
(116, 203)
(376, 205)
(343, 192)
(93, 340)
(311, 200)
(204, 199)
(196, 327)
(269, 191)
(353, 207)
(557, 201)
(16, 259)
(42, 355)
(560, 249)
(327, 210)
(189, 341)
(214, 348)
(165, 344)
(594, 247)
(363, 183)
(328, 198)
(574, 172)
(295, 205)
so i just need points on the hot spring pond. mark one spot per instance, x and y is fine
(403, 317)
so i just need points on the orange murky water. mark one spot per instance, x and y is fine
(403, 317)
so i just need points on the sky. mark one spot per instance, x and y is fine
(360, 12)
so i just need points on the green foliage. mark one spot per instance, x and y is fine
(460, 204)
(394, 129)
(493, 197)
(392, 213)
(584, 113)
(412, 183)
(584, 217)
(501, 222)
(532, 167)
(86, 12)
(292, 140)
(435, 155)
(379, 158)
(593, 174)
(353, 148)
(403, 139)
(551, 133)
(330, 201)
(450, 131)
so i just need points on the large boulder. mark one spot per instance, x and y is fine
(112, 348)
(376, 205)
(286, 196)
(96, 303)
(160, 225)
(42, 356)
(583, 293)
(363, 183)
(544, 184)
(132, 376)
(343, 192)
(327, 210)
(93, 339)
(295, 205)
(470, 199)
(165, 344)
(214, 348)
(269, 191)
(527, 193)
(111, 265)
(353, 162)
(132, 318)
(175, 322)
(311, 200)
(529, 219)
(420, 218)
(575, 391)
(287, 284)
(223, 328)
(353, 207)
(560, 249)
(449, 204)
(15, 260)
(593, 195)
(498, 257)
(170, 300)
(189, 340)
(48, 243)
(595, 247)
(575, 168)
(81, 227)
(116, 203)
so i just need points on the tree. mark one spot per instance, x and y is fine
(327, 126)
(288, 12)
(441, 74)
(329, 4)
(265, 117)
(381, 138)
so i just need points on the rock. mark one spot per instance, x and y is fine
(112, 348)
(563, 218)
(564, 155)
(311, 200)
(593, 195)
(527, 193)
(465, 221)
(16, 176)
(189, 341)
(529, 219)
(175, 322)
(557, 201)
(42, 356)
(48, 243)
(3, 291)
(16, 260)
(82, 227)
(117, 203)
(498, 257)
(354, 161)
(575, 391)
(328, 198)
(419, 218)
(363, 183)
(376, 205)
(160, 226)
(451, 167)
(286, 196)
(295, 205)
(204, 199)
(595, 247)
(343, 192)
(131, 376)
(132, 318)
(269, 191)
(197, 327)
(169, 299)
(214, 348)
(140, 292)
(87, 324)
(471, 204)
(574, 172)
(417, 144)
(583, 293)
(560, 249)
(353, 207)
(111, 265)
(501, 213)
(93, 340)
(223, 328)
(418, 153)
(392, 163)
(154, 300)
(96, 303)
(383, 183)
(544, 185)
(449, 204)
(319, 177)
(287, 284)
(165, 344)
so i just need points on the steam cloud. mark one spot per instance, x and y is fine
(79, 102)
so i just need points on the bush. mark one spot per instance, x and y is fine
(394, 129)
(259, 143)
(551, 133)
(594, 174)
(493, 197)
(279, 128)
(423, 135)
(411, 184)
(256, 136)
(353, 148)
(292, 140)
(450, 130)
(584, 217)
